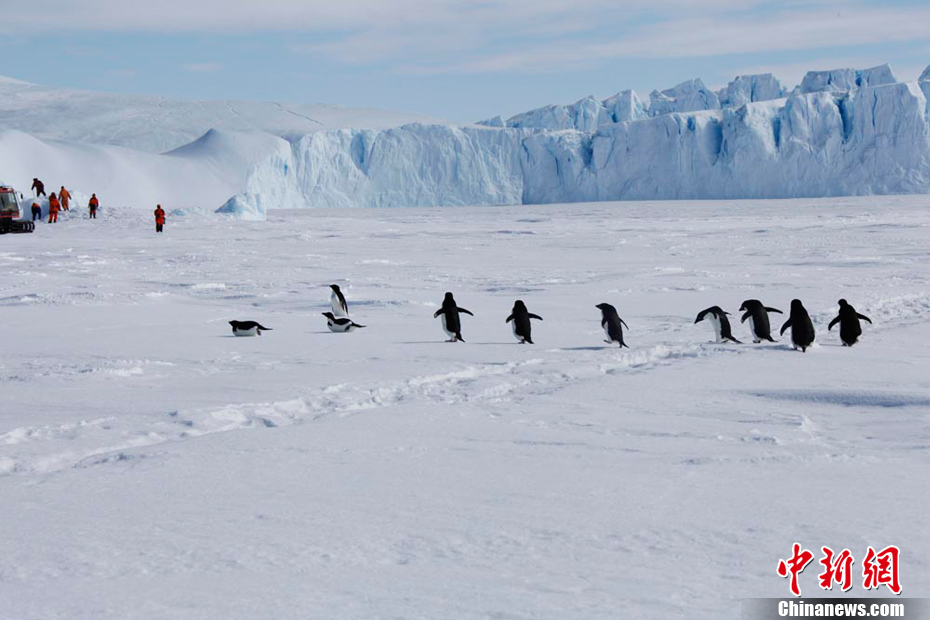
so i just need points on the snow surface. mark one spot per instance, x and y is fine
(154, 466)
(159, 124)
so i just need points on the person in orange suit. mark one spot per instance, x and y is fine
(159, 219)
(36, 211)
(53, 207)
(92, 204)
(64, 196)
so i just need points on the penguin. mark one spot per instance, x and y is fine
(520, 322)
(248, 328)
(802, 329)
(850, 328)
(451, 322)
(758, 319)
(340, 324)
(721, 324)
(611, 322)
(338, 302)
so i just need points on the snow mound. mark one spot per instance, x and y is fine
(249, 207)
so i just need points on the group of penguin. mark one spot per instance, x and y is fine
(802, 328)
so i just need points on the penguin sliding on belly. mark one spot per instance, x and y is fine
(758, 319)
(248, 328)
(520, 322)
(613, 325)
(802, 328)
(850, 328)
(340, 324)
(451, 321)
(717, 317)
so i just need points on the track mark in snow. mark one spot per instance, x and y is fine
(847, 398)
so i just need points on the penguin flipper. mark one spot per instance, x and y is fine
(464, 311)
(745, 316)
(864, 318)
(509, 319)
(776, 310)
(535, 316)
(437, 313)
(622, 322)
(784, 327)
(834, 322)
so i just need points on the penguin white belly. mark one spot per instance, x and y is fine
(445, 328)
(715, 322)
(246, 332)
(752, 330)
(339, 329)
(607, 332)
(338, 310)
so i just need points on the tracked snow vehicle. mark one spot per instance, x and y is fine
(9, 213)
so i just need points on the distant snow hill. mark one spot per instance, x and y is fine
(158, 124)
(840, 132)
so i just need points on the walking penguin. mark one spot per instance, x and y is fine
(802, 329)
(451, 322)
(338, 302)
(613, 325)
(717, 317)
(850, 328)
(758, 316)
(520, 322)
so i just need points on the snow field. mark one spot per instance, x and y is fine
(152, 465)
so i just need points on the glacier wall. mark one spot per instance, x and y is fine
(871, 139)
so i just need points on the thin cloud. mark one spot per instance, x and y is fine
(202, 67)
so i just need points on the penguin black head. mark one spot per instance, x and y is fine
(335, 287)
(329, 315)
(448, 297)
(843, 303)
(748, 303)
(606, 308)
(796, 305)
(519, 305)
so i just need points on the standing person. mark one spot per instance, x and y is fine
(39, 186)
(92, 204)
(159, 219)
(36, 211)
(53, 206)
(64, 196)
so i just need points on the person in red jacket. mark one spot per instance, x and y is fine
(65, 197)
(159, 219)
(53, 206)
(92, 204)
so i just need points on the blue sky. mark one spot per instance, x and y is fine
(454, 59)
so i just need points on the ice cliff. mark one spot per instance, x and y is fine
(857, 132)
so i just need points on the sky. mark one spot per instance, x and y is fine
(459, 60)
